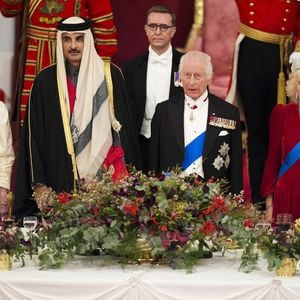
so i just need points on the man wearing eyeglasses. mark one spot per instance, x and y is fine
(151, 77)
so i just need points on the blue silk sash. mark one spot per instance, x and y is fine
(290, 159)
(193, 150)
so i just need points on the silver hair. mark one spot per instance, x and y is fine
(199, 56)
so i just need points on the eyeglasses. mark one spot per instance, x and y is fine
(162, 27)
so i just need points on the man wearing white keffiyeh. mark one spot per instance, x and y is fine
(72, 132)
(91, 113)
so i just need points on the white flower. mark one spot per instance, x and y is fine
(209, 243)
(218, 162)
(224, 149)
(227, 161)
(193, 247)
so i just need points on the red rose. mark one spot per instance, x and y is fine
(63, 197)
(163, 228)
(208, 228)
(248, 223)
(131, 209)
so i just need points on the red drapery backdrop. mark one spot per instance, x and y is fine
(130, 18)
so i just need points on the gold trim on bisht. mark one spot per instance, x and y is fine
(109, 84)
(67, 130)
(196, 30)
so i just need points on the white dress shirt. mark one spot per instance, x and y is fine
(158, 85)
(195, 123)
(7, 155)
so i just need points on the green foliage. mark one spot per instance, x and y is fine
(170, 220)
(277, 245)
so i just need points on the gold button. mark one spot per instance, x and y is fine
(251, 22)
(251, 13)
(283, 28)
(288, 1)
(251, 4)
(287, 10)
(284, 19)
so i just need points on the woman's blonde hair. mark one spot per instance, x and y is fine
(291, 85)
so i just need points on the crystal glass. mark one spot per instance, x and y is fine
(30, 222)
(284, 221)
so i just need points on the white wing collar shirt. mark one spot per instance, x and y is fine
(158, 85)
(195, 123)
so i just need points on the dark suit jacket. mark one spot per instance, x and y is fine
(135, 73)
(167, 140)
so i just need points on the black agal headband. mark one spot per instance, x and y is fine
(64, 26)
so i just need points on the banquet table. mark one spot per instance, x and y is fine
(87, 278)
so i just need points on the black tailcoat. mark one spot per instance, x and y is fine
(167, 140)
(135, 73)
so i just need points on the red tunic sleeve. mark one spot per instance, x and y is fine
(11, 8)
(104, 30)
(273, 161)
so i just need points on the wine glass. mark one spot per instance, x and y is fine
(283, 222)
(30, 222)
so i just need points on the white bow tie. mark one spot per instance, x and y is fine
(159, 60)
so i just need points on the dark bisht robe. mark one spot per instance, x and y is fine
(47, 160)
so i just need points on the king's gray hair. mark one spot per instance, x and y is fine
(199, 56)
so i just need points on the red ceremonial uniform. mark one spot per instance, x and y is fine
(272, 16)
(42, 18)
(269, 30)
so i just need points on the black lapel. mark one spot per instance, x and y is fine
(174, 91)
(176, 111)
(212, 132)
(140, 81)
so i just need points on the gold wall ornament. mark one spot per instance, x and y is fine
(5, 261)
(196, 30)
(288, 267)
(51, 7)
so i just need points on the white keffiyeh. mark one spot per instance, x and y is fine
(91, 118)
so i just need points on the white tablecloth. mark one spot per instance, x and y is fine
(85, 279)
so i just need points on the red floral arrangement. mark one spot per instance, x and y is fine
(180, 219)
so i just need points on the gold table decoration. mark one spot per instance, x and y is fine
(288, 267)
(145, 250)
(5, 261)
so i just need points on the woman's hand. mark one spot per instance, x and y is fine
(269, 208)
(3, 201)
(40, 196)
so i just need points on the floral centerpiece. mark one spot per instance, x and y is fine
(11, 245)
(165, 219)
(278, 245)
